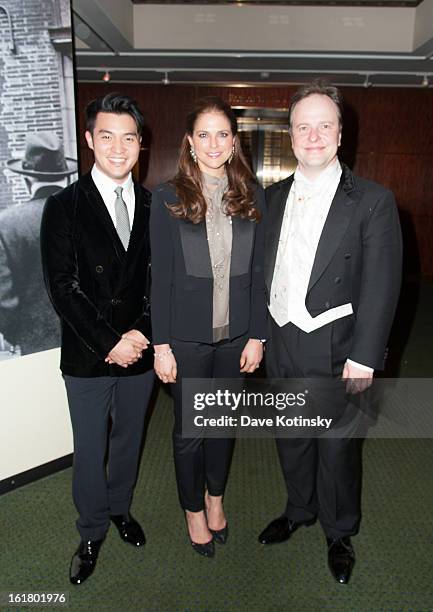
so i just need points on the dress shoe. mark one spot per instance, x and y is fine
(207, 549)
(341, 558)
(84, 561)
(220, 535)
(129, 530)
(280, 530)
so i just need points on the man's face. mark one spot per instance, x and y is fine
(116, 145)
(315, 133)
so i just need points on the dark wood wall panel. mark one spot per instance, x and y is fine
(387, 137)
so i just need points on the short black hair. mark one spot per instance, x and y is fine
(117, 104)
(323, 88)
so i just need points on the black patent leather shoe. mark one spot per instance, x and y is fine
(207, 549)
(280, 530)
(84, 561)
(341, 559)
(220, 535)
(129, 529)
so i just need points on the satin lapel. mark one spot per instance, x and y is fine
(195, 248)
(336, 224)
(103, 215)
(242, 246)
(276, 207)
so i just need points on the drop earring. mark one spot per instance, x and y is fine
(193, 155)
(232, 154)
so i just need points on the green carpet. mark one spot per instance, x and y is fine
(394, 549)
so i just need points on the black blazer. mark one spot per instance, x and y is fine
(99, 290)
(358, 260)
(182, 279)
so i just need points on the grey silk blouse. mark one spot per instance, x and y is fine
(219, 236)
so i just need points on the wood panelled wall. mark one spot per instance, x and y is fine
(387, 137)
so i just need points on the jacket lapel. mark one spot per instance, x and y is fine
(340, 214)
(276, 207)
(140, 228)
(242, 246)
(101, 212)
(195, 247)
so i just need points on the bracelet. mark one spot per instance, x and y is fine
(163, 354)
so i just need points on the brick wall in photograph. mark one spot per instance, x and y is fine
(29, 86)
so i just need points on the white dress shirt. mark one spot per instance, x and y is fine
(106, 187)
(307, 207)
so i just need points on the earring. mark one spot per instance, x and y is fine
(193, 155)
(232, 154)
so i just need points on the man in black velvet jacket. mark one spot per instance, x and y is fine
(95, 254)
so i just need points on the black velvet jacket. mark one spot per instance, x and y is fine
(99, 290)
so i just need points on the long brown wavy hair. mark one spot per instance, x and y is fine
(239, 199)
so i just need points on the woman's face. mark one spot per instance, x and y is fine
(212, 141)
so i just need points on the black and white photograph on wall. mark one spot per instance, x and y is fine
(38, 157)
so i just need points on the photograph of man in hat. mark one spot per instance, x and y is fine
(27, 319)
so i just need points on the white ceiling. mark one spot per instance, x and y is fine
(245, 43)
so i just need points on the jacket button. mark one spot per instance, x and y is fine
(327, 304)
(99, 269)
(337, 280)
(347, 255)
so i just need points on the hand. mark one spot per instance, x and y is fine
(251, 356)
(358, 380)
(165, 365)
(139, 342)
(123, 354)
(137, 339)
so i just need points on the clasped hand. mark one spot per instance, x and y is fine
(129, 349)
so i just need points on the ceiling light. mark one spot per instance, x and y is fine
(165, 80)
(367, 82)
(106, 77)
(425, 82)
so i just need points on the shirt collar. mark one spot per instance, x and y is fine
(106, 185)
(331, 172)
(219, 181)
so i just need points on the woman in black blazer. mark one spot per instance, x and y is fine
(208, 301)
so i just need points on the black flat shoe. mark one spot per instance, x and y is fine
(220, 535)
(206, 550)
(129, 529)
(280, 530)
(341, 559)
(83, 561)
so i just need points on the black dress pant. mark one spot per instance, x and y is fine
(202, 463)
(323, 475)
(99, 487)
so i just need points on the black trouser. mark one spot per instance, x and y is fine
(323, 475)
(92, 401)
(202, 463)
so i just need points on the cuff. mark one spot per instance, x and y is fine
(360, 366)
